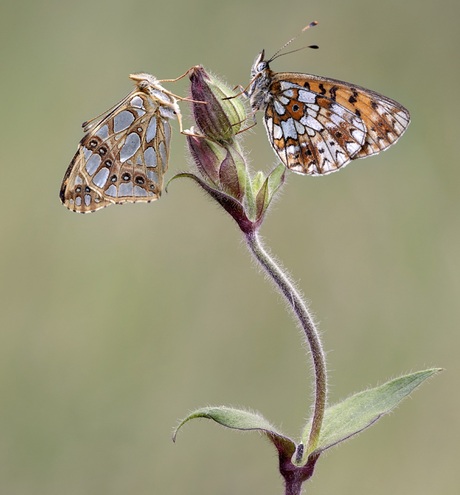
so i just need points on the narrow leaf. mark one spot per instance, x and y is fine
(358, 412)
(268, 190)
(276, 178)
(238, 419)
(261, 200)
(257, 181)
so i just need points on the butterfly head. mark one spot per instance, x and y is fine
(143, 79)
(164, 99)
(261, 77)
(259, 65)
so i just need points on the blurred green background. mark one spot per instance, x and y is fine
(117, 324)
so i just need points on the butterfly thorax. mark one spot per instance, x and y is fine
(261, 79)
(159, 96)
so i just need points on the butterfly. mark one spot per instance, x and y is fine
(317, 125)
(125, 151)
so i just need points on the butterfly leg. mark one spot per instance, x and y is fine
(186, 73)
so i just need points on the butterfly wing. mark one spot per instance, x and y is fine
(122, 158)
(385, 119)
(318, 125)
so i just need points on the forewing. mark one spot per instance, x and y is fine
(326, 122)
(385, 119)
(122, 158)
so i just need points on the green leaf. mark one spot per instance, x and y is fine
(257, 181)
(276, 178)
(268, 190)
(261, 200)
(238, 419)
(358, 412)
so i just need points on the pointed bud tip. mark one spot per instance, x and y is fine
(222, 115)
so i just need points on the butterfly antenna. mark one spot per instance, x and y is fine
(279, 54)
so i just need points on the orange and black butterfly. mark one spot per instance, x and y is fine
(316, 125)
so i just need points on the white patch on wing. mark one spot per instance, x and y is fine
(358, 135)
(139, 191)
(312, 123)
(137, 102)
(357, 122)
(300, 128)
(328, 167)
(151, 175)
(279, 108)
(126, 189)
(306, 96)
(103, 132)
(312, 110)
(336, 120)
(111, 191)
(122, 121)
(352, 148)
(93, 163)
(151, 129)
(288, 85)
(283, 100)
(338, 109)
(292, 149)
(130, 147)
(277, 132)
(289, 129)
(86, 152)
(101, 177)
(150, 157)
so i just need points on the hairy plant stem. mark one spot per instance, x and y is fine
(299, 307)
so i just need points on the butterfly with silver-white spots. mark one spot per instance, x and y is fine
(125, 151)
(317, 125)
